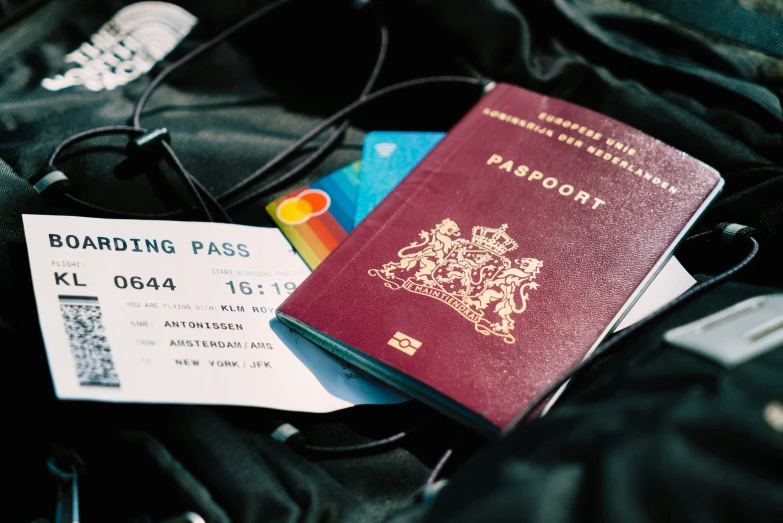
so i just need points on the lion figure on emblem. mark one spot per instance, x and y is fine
(502, 290)
(426, 254)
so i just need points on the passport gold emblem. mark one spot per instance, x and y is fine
(404, 343)
(473, 277)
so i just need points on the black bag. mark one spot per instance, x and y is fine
(659, 434)
(652, 433)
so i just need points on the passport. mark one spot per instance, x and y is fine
(505, 257)
(387, 157)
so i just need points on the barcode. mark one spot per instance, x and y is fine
(83, 323)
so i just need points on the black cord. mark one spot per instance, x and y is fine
(288, 434)
(373, 445)
(197, 189)
(201, 49)
(129, 214)
(283, 155)
(193, 185)
(615, 342)
(342, 113)
(201, 195)
(433, 477)
(270, 185)
(355, 448)
(92, 133)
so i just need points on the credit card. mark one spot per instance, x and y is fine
(387, 157)
(317, 217)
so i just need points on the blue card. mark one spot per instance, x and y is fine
(387, 158)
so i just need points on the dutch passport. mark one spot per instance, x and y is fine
(505, 257)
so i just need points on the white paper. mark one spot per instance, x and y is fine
(667, 285)
(198, 343)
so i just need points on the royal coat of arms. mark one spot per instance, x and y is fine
(474, 277)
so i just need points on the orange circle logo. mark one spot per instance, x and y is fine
(303, 206)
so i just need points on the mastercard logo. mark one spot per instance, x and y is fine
(303, 206)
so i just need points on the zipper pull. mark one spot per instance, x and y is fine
(67, 492)
(190, 517)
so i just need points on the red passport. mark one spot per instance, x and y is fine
(505, 256)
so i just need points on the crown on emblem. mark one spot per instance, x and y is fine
(495, 241)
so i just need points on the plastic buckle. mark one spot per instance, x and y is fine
(190, 517)
(729, 232)
(284, 432)
(430, 492)
(734, 335)
(149, 142)
(55, 179)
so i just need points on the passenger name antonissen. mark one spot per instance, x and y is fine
(203, 325)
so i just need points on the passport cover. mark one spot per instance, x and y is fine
(317, 217)
(505, 256)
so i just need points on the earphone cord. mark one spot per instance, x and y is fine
(199, 192)
(615, 342)
(198, 51)
(202, 196)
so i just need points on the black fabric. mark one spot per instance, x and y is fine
(661, 435)
(649, 434)
(728, 20)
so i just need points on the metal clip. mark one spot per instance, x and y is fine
(737, 334)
